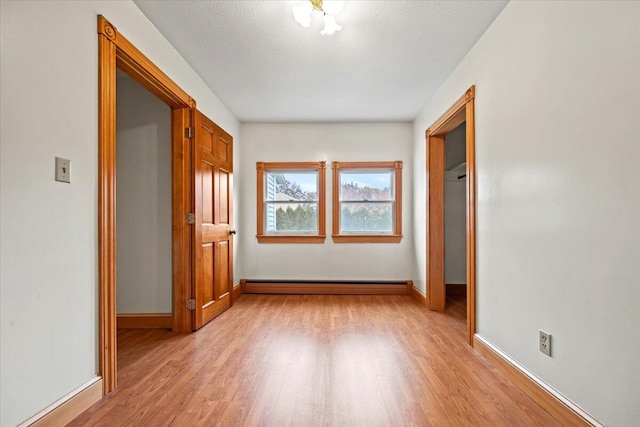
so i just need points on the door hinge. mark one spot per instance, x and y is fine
(190, 218)
(188, 132)
(191, 304)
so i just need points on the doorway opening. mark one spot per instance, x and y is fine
(455, 242)
(115, 52)
(457, 121)
(143, 208)
(201, 199)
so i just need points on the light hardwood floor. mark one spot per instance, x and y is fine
(313, 361)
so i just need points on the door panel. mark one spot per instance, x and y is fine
(213, 261)
(207, 139)
(222, 249)
(224, 196)
(207, 274)
(223, 149)
(207, 193)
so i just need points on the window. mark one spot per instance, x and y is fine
(291, 202)
(367, 202)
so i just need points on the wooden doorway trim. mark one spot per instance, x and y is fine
(462, 110)
(116, 52)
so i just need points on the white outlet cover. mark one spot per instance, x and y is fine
(545, 342)
(63, 170)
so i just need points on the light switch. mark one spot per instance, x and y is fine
(63, 170)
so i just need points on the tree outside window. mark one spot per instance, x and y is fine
(367, 202)
(291, 202)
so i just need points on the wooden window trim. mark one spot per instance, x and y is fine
(396, 237)
(320, 168)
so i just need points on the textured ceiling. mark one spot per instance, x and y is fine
(385, 63)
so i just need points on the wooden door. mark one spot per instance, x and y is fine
(213, 275)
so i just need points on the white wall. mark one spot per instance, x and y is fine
(143, 202)
(329, 142)
(48, 265)
(558, 196)
(455, 229)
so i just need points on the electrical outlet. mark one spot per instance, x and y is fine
(63, 170)
(545, 343)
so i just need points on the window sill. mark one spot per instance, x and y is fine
(367, 238)
(291, 239)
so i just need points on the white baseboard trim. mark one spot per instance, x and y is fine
(552, 391)
(75, 402)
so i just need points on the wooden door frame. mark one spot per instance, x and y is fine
(116, 52)
(462, 110)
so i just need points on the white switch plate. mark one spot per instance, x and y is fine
(63, 170)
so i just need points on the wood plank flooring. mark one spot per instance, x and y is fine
(307, 360)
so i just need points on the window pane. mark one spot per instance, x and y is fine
(366, 217)
(291, 217)
(366, 186)
(288, 185)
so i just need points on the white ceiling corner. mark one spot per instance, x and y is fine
(389, 58)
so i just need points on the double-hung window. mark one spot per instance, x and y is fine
(367, 202)
(291, 202)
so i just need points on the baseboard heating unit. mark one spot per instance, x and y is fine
(326, 287)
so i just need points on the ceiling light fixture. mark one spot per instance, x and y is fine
(303, 10)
